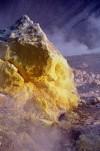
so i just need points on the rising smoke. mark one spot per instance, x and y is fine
(20, 131)
(83, 38)
(72, 27)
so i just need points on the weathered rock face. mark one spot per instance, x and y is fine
(30, 65)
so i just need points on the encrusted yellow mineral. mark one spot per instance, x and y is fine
(31, 64)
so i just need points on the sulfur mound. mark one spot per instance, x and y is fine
(31, 64)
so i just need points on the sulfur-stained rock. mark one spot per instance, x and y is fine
(31, 63)
(10, 79)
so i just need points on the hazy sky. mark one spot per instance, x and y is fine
(72, 25)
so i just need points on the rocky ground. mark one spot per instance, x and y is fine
(87, 74)
(85, 131)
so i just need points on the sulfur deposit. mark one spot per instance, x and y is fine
(32, 68)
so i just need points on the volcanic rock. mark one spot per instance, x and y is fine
(31, 66)
(88, 142)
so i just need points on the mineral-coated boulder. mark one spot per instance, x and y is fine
(31, 64)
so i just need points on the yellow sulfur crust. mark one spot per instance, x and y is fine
(41, 71)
